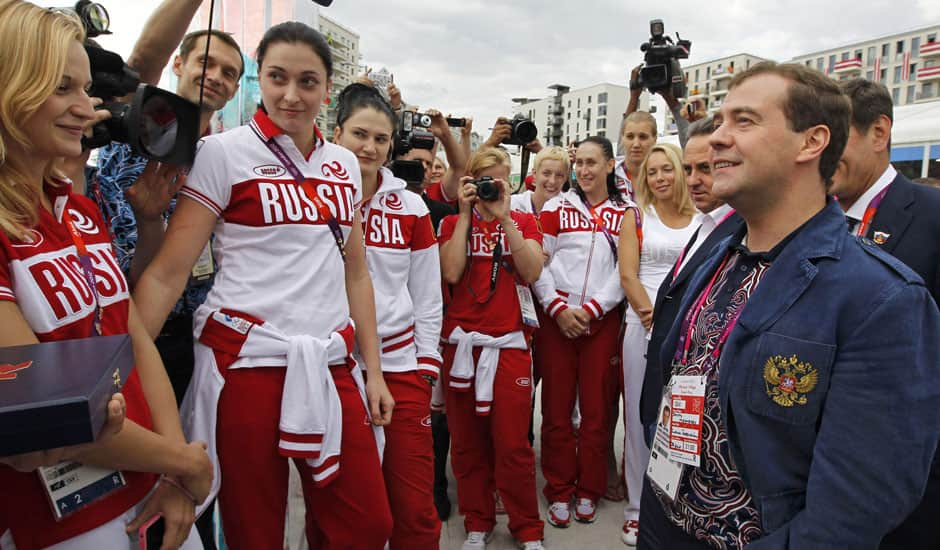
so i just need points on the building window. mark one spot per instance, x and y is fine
(913, 76)
(602, 97)
(885, 50)
(809, 63)
(601, 123)
(927, 90)
(884, 76)
(569, 115)
(931, 38)
(832, 61)
(819, 64)
(869, 75)
(897, 74)
(915, 46)
(747, 64)
(587, 125)
(845, 56)
(602, 133)
(910, 94)
(602, 110)
(708, 72)
(871, 57)
(896, 95)
(579, 114)
(899, 47)
(579, 106)
(567, 129)
(569, 103)
(577, 125)
(589, 99)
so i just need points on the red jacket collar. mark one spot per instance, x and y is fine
(269, 129)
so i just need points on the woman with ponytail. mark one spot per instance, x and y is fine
(401, 250)
(578, 345)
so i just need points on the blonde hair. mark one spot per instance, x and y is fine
(487, 157)
(680, 193)
(34, 46)
(641, 117)
(553, 153)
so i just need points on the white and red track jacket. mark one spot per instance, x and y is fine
(405, 266)
(622, 177)
(43, 276)
(582, 266)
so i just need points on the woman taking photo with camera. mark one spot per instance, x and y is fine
(401, 250)
(489, 256)
(274, 377)
(59, 281)
(667, 212)
(578, 344)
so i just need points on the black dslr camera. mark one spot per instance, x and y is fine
(487, 190)
(662, 70)
(157, 124)
(413, 133)
(523, 131)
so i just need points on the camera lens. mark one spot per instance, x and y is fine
(525, 131)
(425, 121)
(158, 126)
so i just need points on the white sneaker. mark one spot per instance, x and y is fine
(585, 511)
(559, 515)
(631, 531)
(532, 545)
(476, 540)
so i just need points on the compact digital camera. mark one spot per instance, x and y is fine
(487, 189)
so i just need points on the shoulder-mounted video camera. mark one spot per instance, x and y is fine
(157, 124)
(662, 70)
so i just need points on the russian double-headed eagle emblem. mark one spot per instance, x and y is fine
(788, 380)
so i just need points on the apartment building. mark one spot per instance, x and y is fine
(571, 115)
(344, 46)
(907, 63)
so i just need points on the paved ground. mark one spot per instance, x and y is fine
(604, 534)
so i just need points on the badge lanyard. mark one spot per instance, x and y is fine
(599, 224)
(322, 208)
(692, 317)
(85, 260)
(870, 212)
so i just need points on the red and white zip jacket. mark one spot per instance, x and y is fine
(403, 258)
(582, 265)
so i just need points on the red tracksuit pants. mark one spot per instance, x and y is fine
(408, 464)
(349, 513)
(586, 367)
(492, 452)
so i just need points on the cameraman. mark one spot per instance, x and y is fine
(136, 196)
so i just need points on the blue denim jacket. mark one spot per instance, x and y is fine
(830, 388)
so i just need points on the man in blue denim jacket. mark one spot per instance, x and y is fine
(818, 354)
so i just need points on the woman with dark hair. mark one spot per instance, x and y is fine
(275, 378)
(578, 347)
(401, 249)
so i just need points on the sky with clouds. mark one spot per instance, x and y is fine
(470, 57)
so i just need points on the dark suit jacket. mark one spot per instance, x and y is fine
(840, 461)
(665, 309)
(910, 217)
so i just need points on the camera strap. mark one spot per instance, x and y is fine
(84, 258)
(322, 209)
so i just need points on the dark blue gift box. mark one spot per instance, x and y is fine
(55, 394)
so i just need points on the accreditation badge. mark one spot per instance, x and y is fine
(71, 486)
(664, 473)
(685, 425)
(527, 305)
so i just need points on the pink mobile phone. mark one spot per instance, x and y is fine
(150, 534)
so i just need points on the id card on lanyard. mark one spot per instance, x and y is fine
(71, 486)
(870, 212)
(523, 293)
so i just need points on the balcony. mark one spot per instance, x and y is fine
(719, 93)
(930, 49)
(696, 93)
(848, 66)
(928, 73)
(722, 73)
